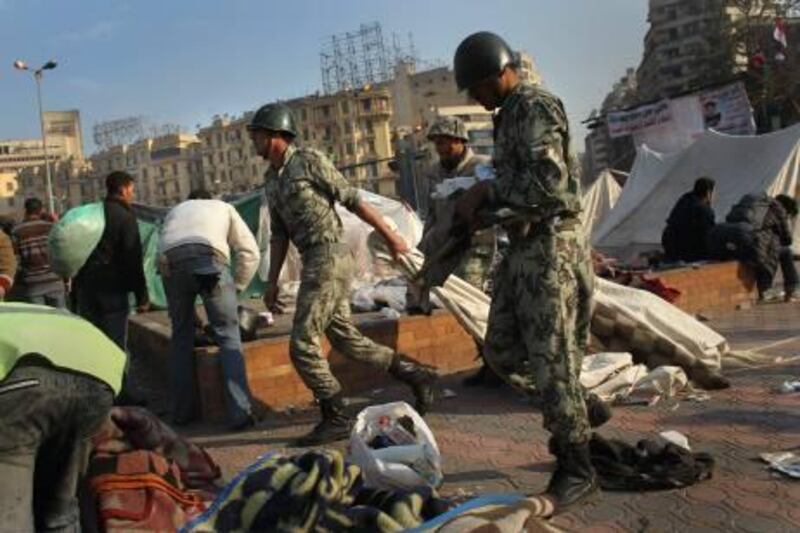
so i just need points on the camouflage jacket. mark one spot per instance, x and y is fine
(483, 241)
(531, 156)
(301, 196)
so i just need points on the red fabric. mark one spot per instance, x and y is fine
(145, 477)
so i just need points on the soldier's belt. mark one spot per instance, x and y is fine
(527, 229)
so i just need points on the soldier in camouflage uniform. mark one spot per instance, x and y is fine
(457, 160)
(541, 306)
(301, 188)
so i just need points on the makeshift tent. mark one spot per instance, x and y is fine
(599, 199)
(256, 216)
(739, 164)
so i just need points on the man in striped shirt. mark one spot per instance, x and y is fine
(38, 284)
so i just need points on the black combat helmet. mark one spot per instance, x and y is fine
(479, 57)
(274, 117)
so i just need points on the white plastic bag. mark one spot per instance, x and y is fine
(414, 462)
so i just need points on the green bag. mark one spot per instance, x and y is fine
(74, 237)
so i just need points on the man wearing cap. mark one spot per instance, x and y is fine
(458, 160)
(302, 188)
(541, 303)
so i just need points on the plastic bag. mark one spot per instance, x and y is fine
(395, 448)
(73, 238)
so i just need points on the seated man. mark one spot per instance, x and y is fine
(58, 378)
(758, 232)
(195, 254)
(684, 238)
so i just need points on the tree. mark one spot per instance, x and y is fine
(772, 74)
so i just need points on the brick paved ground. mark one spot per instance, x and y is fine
(491, 440)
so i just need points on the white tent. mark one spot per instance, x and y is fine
(598, 200)
(739, 164)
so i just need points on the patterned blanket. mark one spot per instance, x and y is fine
(144, 477)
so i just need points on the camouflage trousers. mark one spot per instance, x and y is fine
(539, 326)
(323, 307)
(476, 267)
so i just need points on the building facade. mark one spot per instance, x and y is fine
(165, 168)
(351, 127)
(415, 95)
(687, 46)
(600, 150)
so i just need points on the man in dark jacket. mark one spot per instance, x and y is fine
(759, 232)
(684, 238)
(114, 269)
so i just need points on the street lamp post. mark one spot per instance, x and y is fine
(37, 76)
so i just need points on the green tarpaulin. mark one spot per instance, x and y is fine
(150, 221)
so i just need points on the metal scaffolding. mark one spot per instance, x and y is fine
(355, 59)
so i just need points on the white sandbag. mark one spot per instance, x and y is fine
(598, 368)
(664, 381)
(416, 462)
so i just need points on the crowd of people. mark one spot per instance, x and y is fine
(59, 374)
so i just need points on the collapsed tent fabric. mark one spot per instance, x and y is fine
(599, 199)
(739, 164)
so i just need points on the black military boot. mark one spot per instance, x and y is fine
(421, 378)
(574, 480)
(484, 377)
(335, 425)
(598, 412)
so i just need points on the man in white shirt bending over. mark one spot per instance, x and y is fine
(197, 241)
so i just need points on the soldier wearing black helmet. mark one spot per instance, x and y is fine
(302, 187)
(541, 303)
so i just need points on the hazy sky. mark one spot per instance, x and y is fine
(182, 61)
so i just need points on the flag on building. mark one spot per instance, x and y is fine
(779, 34)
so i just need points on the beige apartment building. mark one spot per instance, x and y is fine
(415, 95)
(166, 169)
(351, 127)
(8, 190)
(229, 161)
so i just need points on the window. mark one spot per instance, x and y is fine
(305, 134)
(9, 186)
(175, 168)
(144, 173)
(11, 202)
(368, 126)
(351, 149)
(328, 134)
(326, 111)
(219, 139)
(371, 146)
(366, 104)
(345, 107)
(373, 170)
(303, 114)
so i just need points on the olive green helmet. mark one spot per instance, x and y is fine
(448, 127)
(274, 117)
(479, 57)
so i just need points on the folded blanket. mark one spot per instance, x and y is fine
(144, 477)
